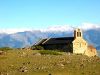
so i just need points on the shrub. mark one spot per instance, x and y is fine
(37, 48)
(50, 52)
(5, 48)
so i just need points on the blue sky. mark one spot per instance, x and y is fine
(44, 13)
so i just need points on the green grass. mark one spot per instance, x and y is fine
(49, 52)
(48, 63)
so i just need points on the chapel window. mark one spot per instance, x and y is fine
(78, 34)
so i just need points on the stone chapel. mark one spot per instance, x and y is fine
(75, 45)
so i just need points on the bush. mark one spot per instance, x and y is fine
(37, 48)
(5, 49)
(50, 52)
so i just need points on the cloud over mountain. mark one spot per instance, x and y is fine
(27, 37)
(14, 30)
(87, 26)
(62, 28)
(59, 28)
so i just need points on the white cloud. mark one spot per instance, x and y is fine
(61, 28)
(15, 30)
(87, 26)
(58, 28)
(83, 26)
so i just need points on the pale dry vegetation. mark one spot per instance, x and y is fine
(33, 62)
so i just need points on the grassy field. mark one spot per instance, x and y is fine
(29, 62)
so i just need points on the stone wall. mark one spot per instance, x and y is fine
(91, 51)
(79, 46)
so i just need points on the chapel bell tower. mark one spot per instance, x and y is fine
(77, 33)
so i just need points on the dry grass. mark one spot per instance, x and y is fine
(28, 62)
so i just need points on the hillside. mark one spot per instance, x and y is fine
(29, 62)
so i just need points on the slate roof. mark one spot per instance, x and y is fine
(61, 40)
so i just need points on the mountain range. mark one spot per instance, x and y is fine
(91, 33)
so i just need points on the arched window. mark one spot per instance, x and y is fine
(78, 34)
